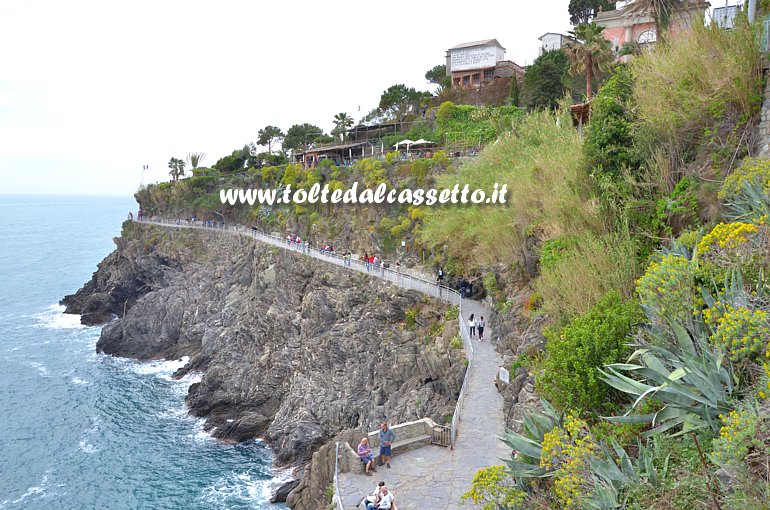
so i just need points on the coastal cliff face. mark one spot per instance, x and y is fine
(292, 350)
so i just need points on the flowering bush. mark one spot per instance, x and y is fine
(741, 331)
(666, 289)
(734, 437)
(726, 236)
(752, 170)
(568, 449)
(494, 489)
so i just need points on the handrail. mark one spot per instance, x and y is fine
(399, 278)
(337, 497)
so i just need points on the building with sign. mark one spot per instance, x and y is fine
(475, 63)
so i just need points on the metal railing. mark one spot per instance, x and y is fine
(398, 277)
(337, 497)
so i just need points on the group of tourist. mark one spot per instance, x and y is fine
(476, 325)
(381, 498)
(374, 263)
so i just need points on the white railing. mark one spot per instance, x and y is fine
(397, 277)
(337, 497)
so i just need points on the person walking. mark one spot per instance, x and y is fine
(480, 328)
(472, 325)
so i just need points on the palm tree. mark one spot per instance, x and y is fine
(177, 168)
(589, 53)
(342, 122)
(659, 10)
(194, 158)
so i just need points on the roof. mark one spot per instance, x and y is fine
(550, 33)
(487, 42)
(326, 148)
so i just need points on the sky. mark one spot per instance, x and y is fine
(90, 91)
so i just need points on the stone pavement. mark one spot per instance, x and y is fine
(431, 477)
(434, 477)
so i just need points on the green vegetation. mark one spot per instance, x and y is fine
(569, 370)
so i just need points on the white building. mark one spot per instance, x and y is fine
(474, 63)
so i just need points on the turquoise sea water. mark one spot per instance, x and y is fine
(80, 430)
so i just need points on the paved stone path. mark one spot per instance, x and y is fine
(431, 477)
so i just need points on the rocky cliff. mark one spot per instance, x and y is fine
(292, 350)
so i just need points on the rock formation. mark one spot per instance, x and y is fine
(292, 350)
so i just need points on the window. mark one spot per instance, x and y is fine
(466, 79)
(489, 74)
(476, 78)
(647, 37)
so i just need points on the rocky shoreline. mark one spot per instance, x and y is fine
(293, 350)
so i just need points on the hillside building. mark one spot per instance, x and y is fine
(551, 41)
(475, 63)
(622, 27)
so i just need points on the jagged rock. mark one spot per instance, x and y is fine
(292, 350)
(283, 491)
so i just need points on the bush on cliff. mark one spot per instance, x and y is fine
(568, 375)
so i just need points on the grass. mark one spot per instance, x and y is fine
(549, 194)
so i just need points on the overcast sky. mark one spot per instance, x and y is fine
(92, 90)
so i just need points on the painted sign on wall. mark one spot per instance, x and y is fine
(473, 58)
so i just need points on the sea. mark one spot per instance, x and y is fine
(81, 430)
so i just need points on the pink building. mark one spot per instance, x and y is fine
(621, 27)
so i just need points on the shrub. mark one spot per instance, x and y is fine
(609, 141)
(554, 251)
(410, 318)
(569, 376)
(456, 342)
(742, 332)
(666, 289)
(751, 170)
(735, 436)
(494, 489)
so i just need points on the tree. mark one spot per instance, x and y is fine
(268, 136)
(589, 53)
(195, 158)
(438, 76)
(398, 100)
(543, 84)
(299, 136)
(342, 122)
(659, 10)
(177, 168)
(582, 11)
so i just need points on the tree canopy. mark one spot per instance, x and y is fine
(268, 136)
(177, 168)
(544, 80)
(583, 11)
(398, 100)
(437, 75)
(300, 136)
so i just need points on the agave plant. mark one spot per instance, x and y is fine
(749, 204)
(614, 470)
(693, 381)
(530, 446)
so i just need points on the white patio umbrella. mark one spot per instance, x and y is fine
(406, 142)
(422, 141)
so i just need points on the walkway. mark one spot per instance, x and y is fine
(429, 477)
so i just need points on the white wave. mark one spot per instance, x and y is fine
(236, 487)
(163, 369)
(85, 446)
(32, 491)
(78, 380)
(55, 318)
(42, 369)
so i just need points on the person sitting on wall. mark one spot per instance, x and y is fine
(365, 454)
